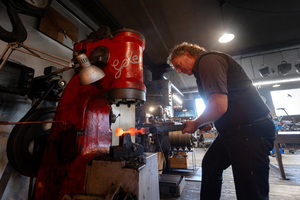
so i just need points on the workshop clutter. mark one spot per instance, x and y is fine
(179, 160)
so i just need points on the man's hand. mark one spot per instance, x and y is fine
(190, 127)
(205, 128)
(216, 107)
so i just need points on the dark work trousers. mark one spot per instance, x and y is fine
(246, 148)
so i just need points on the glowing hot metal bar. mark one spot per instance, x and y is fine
(132, 131)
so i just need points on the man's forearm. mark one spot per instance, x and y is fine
(206, 118)
(217, 106)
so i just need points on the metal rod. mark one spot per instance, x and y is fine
(5, 50)
(5, 59)
(33, 54)
(36, 122)
(62, 70)
(15, 45)
(177, 90)
(288, 116)
(27, 47)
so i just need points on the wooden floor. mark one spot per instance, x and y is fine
(279, 189)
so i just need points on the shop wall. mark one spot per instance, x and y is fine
(14, 107)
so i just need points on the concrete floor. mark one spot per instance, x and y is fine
(279, 189)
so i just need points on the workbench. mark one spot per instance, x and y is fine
(291, 139)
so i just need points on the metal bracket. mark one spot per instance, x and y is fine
(10, 47)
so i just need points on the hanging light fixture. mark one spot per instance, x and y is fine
(226, 37)
(284, 68)
(264, 70)
(297, 64)
(89, 73)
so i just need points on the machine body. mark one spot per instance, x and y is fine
(70, 149)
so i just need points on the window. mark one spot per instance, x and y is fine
(200, 106)
(287, 99)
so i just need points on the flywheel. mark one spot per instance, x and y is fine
(27, 142)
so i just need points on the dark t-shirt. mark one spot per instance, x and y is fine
(214, 77)
(217, 72)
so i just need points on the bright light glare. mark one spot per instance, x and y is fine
(277, 81)
(276, 85)
(200, 106)
(177, 99)
(227, 37)
(288, 99)
(151, 109)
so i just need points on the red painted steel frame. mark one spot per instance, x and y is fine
(125, 64)
(87, 108)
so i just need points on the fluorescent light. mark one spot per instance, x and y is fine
(276, 81)
(227, 37)
(174, 87)
(184, 110)
(177, 99)
(276, 85)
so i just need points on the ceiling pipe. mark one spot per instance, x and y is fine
(265, 53)
(190, 91)
(177, 90)
(174, 87)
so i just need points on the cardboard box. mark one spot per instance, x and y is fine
(178, 161)
(209, 135)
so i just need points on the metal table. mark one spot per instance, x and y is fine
(291, 139)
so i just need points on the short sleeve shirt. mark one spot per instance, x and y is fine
(216, 72)
(212, 71)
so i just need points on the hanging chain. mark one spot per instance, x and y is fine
(298, 54)
(252, 68)
(281, 56)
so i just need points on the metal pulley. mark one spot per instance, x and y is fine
(41, 83)
(179, 140)
(27, 142)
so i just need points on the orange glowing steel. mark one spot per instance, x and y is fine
(132, 131)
